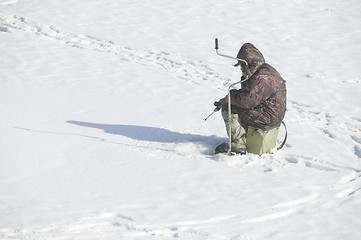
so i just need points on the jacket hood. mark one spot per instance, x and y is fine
(253, 57)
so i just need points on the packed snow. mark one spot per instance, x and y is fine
(102, 120)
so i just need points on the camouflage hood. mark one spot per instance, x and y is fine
(253, 57)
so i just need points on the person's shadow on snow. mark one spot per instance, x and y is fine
(152, 134)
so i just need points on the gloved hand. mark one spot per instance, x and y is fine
(223, 102)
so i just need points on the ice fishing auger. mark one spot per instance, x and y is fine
(245, 75)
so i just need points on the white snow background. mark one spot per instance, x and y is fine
(102, 131)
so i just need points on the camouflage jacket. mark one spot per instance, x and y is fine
(261, 101)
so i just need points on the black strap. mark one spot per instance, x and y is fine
(284, 140)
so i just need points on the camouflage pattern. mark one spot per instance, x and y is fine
(261, 102)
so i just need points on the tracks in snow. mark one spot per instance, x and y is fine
(115, 225)
(193, 71)
(345, 131)
(342, 130)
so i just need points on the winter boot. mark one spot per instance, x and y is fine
(237, 135)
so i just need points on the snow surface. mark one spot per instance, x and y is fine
(102, 120)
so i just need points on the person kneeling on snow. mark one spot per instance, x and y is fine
(258, 108)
